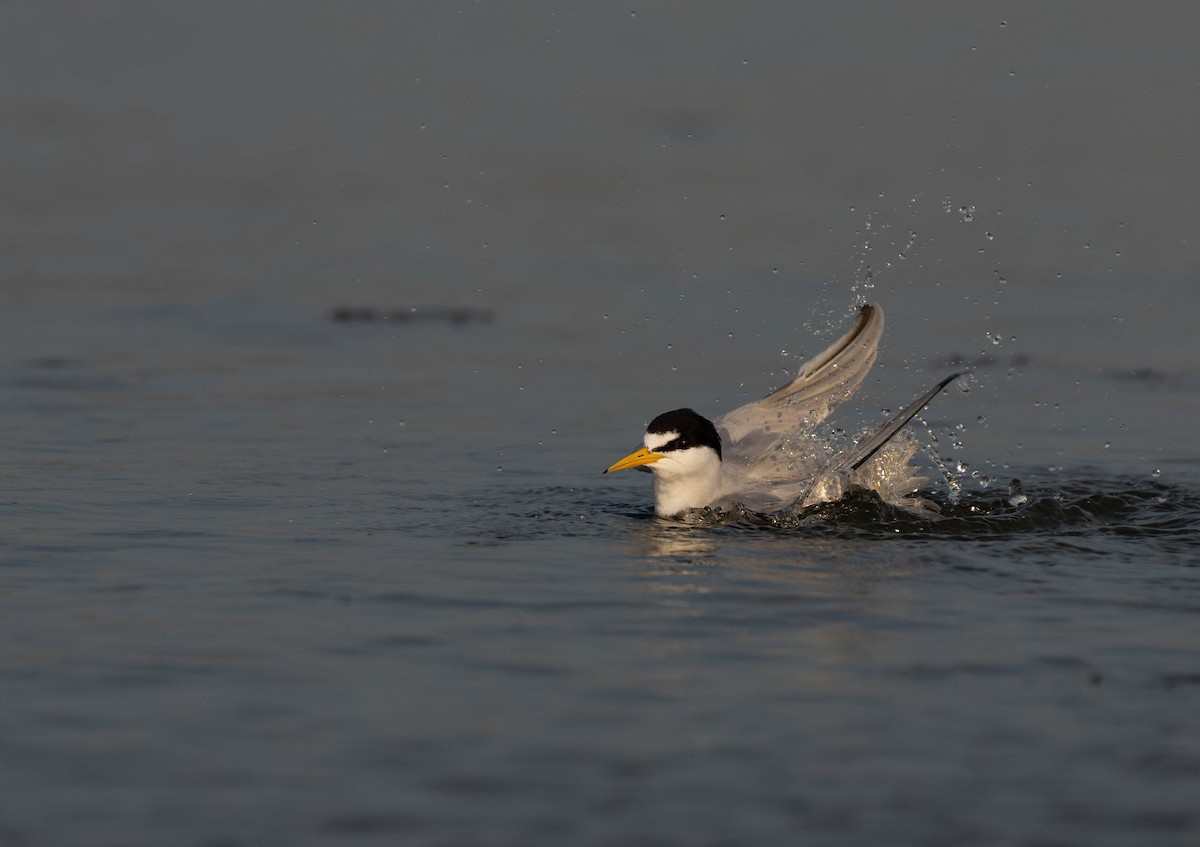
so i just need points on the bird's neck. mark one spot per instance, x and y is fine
(699, 488)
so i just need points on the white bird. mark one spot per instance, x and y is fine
(764, 456)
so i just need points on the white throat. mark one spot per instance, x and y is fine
(686, 479)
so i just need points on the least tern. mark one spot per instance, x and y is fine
(764, 456)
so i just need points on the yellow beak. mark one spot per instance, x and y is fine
(639, 457)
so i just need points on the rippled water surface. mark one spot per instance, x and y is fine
(318, 326)
(252, 603)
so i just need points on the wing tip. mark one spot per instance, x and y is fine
(873, 443)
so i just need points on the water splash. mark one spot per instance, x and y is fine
(867, 271)
(947, 466)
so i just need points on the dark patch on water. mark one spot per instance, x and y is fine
(56, 362)
(1148, 377)
(1179, 680)
(64, 373)
(987, 360)
(359, 824)
(450, 315)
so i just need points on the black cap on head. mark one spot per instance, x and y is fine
(694, 430)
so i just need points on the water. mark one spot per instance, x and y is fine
(277, 567)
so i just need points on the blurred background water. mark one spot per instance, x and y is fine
(269, 577)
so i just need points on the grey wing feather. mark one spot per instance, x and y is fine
(856, 456)
(754, 431)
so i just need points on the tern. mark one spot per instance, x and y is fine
(765, 455)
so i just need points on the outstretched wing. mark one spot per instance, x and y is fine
(753, 432)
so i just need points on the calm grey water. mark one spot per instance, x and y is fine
(271, 578)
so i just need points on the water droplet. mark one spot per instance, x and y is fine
(1157, 472)
(989, 236)
(1087, 245)
(966, 214)
(1003, 24)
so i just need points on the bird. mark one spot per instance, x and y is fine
(765, 456)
